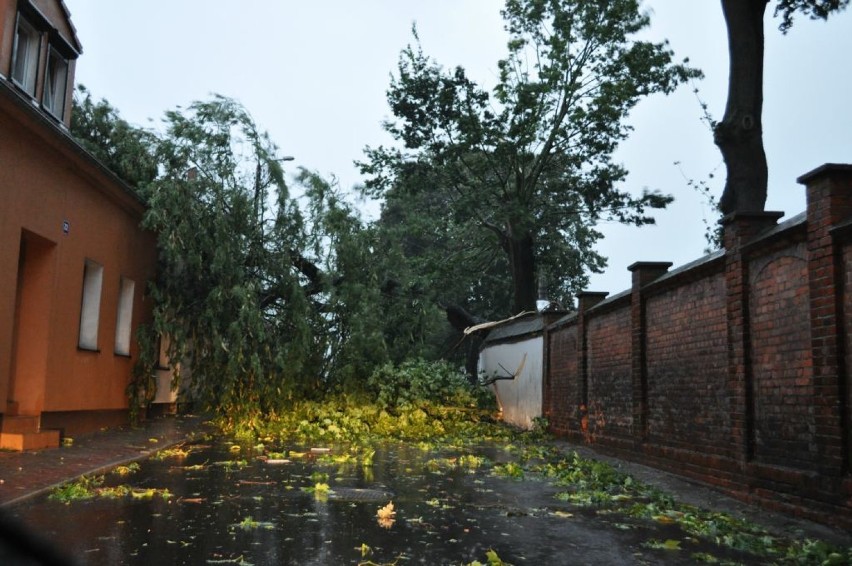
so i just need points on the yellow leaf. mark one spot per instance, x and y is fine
(386, 512)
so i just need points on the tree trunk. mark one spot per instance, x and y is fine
(522, 265)
(460, 319)
(740, 133)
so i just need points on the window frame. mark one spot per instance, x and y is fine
(55, 90)
(163, 344)
(33, 51)
(90, 306)
(124, 316)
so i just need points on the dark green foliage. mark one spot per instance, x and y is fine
(128, 151)
(443, 257)
(349, 325)
(227, 295)
(499, 188)
(374, 304)
(813, 9)
(264, 300)
(417, 381)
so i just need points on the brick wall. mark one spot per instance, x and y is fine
(686, 354)
(563, 416)
(847, 312)
(610, 395)
(780, 358)
(732, 370)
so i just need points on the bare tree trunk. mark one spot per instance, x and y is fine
(740, 133)
(522, 265)
(460, 319)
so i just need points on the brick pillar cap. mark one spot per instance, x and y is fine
(757, 215)
(824, 169)
(583, 294)
(649, 265)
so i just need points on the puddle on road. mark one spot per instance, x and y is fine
(226, 508)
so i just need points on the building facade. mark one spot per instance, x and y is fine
(74, 262)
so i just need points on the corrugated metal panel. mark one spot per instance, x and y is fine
(516, 329)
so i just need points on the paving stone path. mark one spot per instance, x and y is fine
(25, 474)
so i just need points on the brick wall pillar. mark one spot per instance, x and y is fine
(829, 198)
(546, 382)
(547, 401)
(740, 229)
(643, 272)
(585, 301)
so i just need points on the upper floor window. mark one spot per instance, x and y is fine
(55, 81)
(25, 55)
(42, 58)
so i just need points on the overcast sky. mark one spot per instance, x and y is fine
(314, 74)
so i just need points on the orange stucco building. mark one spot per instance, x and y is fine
(74, 262)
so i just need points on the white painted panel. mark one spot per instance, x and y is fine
(521, 398)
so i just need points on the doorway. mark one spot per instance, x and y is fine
(30, 338)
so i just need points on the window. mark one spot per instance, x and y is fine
(163, 344)
(25, 56)
(125, 315)
(93, 276)
(55, 80)
(40, 61)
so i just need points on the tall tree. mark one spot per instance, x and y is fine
(229, 295)
(740, 133)
(373, 306)
(348, 298)
(264, 299)
(440, 264)
(527, 170)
